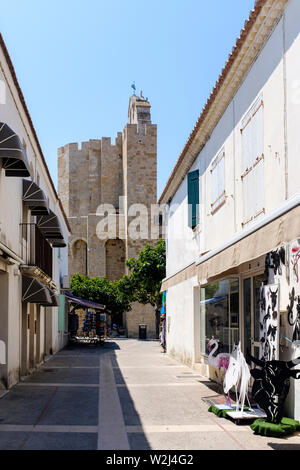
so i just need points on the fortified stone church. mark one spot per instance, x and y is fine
(121, 175)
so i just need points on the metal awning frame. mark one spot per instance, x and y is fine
(34, 198)
(12, 152)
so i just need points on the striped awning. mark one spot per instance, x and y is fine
(50, 227)
(35, 198)
(54, 300)
(12, 153)
(57, 243)
(34, 292)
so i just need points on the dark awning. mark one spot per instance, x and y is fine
(34, 292)
(50, 227)
(72, 299)
(54, 300)
(12, 152)
(35, 198)
(57, 243)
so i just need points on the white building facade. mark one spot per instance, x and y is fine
(233, 230)
(33, 251)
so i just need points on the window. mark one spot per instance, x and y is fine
(219, 314)
(218, 195)
(253, 163)
(193, 199)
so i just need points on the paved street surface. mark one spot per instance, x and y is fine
(125, 395)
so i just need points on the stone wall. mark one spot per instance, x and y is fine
(115, 259)
(78, 258)
(140, 314)
(100, 173)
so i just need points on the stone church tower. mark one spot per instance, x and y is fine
(121, 175)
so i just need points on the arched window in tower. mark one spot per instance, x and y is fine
(115, 259)
(78, 260)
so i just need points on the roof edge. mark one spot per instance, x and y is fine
(241, 40)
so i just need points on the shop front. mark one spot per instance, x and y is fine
(230, 313)
(256, 303)
(219, 314)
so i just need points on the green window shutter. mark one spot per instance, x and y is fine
(193, 198)
(61, 313)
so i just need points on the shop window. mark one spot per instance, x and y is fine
(251, 305)
(218, 196)
(193, 199)
(219, 314)
(253, 163)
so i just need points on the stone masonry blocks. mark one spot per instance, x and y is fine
(100, 172)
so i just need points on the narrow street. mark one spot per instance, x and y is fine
(125, 395)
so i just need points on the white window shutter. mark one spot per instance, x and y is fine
(218, 181)
(253, 163)
(259, 190)
(221, 177)
(214, 182)
(246, 148)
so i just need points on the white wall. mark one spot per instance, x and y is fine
(267, 78)
(11, 213)
(180, 321)
(182, 246)
(275, 75)
(292, 45)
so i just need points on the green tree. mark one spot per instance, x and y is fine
(142, 284)
(147, 271)
(102, 291)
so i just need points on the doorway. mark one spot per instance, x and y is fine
(250, 304)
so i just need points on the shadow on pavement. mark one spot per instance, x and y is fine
(138, 440)
(89, 348)
(38, 401)
(284, 446)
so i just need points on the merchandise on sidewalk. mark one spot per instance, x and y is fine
(93, 330)
(238, 376)
(271, 386)
(221, 361)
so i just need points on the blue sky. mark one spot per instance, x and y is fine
(76, 61)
